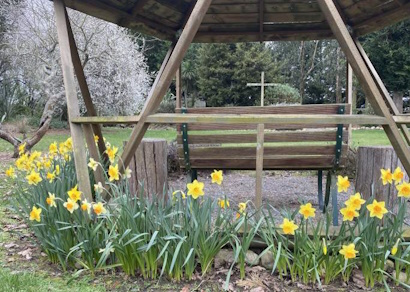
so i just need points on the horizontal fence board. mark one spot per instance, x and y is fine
(250, 152)
(303, 136)
(287, 163)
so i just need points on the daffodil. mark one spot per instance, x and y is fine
(395, 247)
(34, 156)
(288, 226)
(195, 189)
(404, 190)
(74, 194)
(68, 144)
(99, 208)
(51, 200)
(324, 247)
(217, 176)
(35, 214)
(111, 152)
(113, 173)
(127, 173)
(71, 205)
(223, 203)
(386, 176)
(22, 148)
(53, 149)
(377, 209)
(47, 163)
(175, 193)
(93, 164)
(96, 138)
(307, 211)
(355, 201)
(242, 207)
(57, 169)
(348, 251)
(62, 149)
(51, 176)
(86, 206)
(34, 178)
(98, 188)
(343, 184)
(10, 172)
(398, 175)
(349, 213)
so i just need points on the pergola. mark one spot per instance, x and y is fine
(186, 21)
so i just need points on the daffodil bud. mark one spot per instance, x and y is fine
(395, 247)
(324, 246)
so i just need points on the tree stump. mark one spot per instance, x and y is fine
(370, 160)
(149, 168)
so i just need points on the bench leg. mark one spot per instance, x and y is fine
(320, 188)
(331, 190)
(192, 175)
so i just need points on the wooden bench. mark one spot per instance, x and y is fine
(285, 147)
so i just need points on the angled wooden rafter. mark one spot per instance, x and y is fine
(164, 79)
(365, 78)
(80, 157)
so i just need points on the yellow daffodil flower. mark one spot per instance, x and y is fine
(96, 138)
(348, 251)
(307, 211)
(98, 188)
(113, 173)
(99, 208)
(86, 206)
(10, 172)
(74, 194)
(47, 163)
(217, 177)
(127, 173)
(398, 175)
(355, 201)
(51, 200)
(395, 247)
(35, 214)
(349, 213)
(22, 148)
(51, 176)
(195, 189)
(343, 184)
(111, 152)
(288, 226)
(404, 190)
(175, 193)
(53, 149)
(71, 205)
(223, 203)
(68, 144)
(386, 176)
(324, 246)
(62, 149)
(34, 156)
(377, 209)
(93, 164)
(57, 169)
(34, 178)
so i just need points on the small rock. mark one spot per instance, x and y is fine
(257, 289)
(251, 258)
(224, 256)
(78, 266)
(389, 266)
(267, 260)
(402, 277)
(358, 278)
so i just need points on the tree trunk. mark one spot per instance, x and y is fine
(302, 70)
(398, 100)
(149, 168)
(369, 162)
(338, 89)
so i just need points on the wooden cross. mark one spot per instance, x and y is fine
(262, 85)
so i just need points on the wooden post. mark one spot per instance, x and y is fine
(363, 74)
(349, 97)
(80, 156)
(259, 165)
(262, 88)
(370, 159)
(178, 85)
(165, 79)
(82, 82)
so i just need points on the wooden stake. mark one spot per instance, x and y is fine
(363, 74)
(349, 96)
(165, 79)
(262, 88)
(80, 156)
(259, 165)
(82, 82)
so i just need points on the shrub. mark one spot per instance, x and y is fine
(282, 93)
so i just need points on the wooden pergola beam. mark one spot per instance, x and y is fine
(365, 78)
(164, 81)
(80, 157)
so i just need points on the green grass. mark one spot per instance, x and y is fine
(117, 135)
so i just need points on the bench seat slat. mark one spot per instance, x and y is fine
(213, 127)
(302, 136)
(250, 152)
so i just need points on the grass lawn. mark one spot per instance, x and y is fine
(117, 135)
